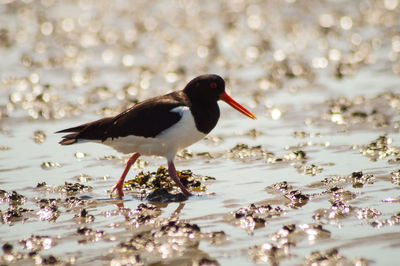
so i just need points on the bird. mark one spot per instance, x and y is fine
(161, 126)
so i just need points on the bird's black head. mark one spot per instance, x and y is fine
(205, 88)
(208, 89)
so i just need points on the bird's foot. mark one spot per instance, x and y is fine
(208, 194)
(186, 192)
(118, 188)
(204, 194)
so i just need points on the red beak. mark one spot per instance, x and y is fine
(226, 98)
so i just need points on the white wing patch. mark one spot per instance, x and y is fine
(180, 110)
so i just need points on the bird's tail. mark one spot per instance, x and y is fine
(92, 131)
(69, 139)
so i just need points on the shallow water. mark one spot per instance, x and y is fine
(322, 78)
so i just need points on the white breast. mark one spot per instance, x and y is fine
(181, 135)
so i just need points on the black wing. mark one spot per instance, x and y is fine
(145, 119)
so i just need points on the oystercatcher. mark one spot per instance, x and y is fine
(161, 125)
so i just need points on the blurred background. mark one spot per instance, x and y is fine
(321, 76)
(60, 57)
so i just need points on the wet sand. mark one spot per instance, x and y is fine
(314, 181)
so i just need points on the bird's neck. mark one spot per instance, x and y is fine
(205, 114)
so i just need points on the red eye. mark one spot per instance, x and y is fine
(213, 85)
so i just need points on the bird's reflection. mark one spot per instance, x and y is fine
(128, 212)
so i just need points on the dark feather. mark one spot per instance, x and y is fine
(146, 119)
(69, 139)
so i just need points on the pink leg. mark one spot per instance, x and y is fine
(118, 186)
(174, 176)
